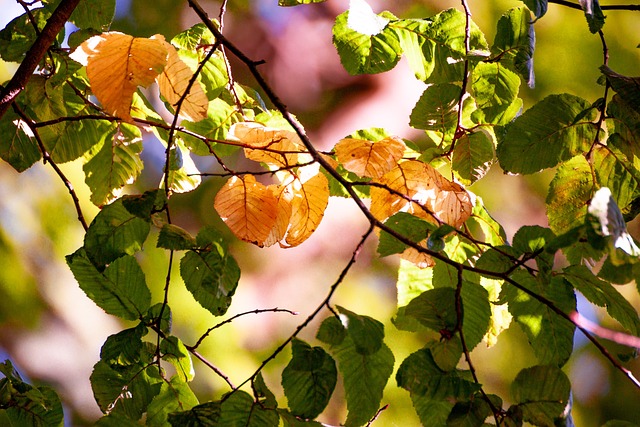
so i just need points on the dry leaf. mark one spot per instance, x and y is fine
(248, 208)
(275, 147)
(433, 196)
(284, 196)
(369, 159)
(173, 82)
(310, 199)
(117, 64)
(420, 259)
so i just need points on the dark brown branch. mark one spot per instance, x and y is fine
(603, 7)
(19, 80)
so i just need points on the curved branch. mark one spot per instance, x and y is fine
(19, 80)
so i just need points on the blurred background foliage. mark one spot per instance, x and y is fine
(53, 333)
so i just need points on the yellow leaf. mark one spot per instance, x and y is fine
(310, 199)
(428, 195)
(117, 64)
(370, 159)
(275, 147)
(248, 208)
(173, 82)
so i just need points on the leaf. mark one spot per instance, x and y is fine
(117, 64)
(367, 333)
(290, 420)
(210, 274)
(17, 147)
(120, 289)
(297, 2)
(331, 331)
(124, 348)
(593, 13)
(19, 35)
(220, 117)
(437, 109)
(473, 412)
(493, 232)
(515, 40)
(417, 44)
(97, 15)
(542, 393)
(363, 20)
(113, 164)
(310, 199)
(473, 156)
(365, 377)
(411, 227)
(569, 192)
(435, 309)
(547, 134)
(476, 313)
(308, 380)
(603, 294)
(627, 87)
(432, 195)
(275, 147)
(367, 158)
(184, 176)
(432, 412)
(176, 353)
(376, 51)
(175, 238)
(248, 208)
(239, 409)
(174, 81)
(174, 396)
(538, 7)
(495, 89)
(114, 232)
(550, 336)
(114, 389)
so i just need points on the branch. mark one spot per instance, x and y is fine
(603, 7)
(19, 80)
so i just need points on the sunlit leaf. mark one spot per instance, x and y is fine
(173, 82)
(515, 40)
(310, 199)
(367, 158)
(429, 195)
(185, 176)
(117, 64)
(17, 147)
(174, 351)
(220, 117)
(97, 15)
(174, 396)
(248, 208)
(495, 88)
(473, 156)
(276, 147)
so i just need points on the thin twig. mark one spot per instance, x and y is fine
(375, 417)
(608, 334)
(603, 7)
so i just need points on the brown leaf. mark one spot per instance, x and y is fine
(248, 208)
(431, 196)
(369, 159)
(173, 82)
(117, 64)
(275, 147)
(310, 199)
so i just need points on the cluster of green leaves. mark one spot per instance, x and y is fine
(476, 283)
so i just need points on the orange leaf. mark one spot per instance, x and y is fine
(117, 64)
(173, 82)
(279, 230)
(420, 259)
(431, 196)
(310, 199)
(275, 147)
(370, 159)
(248, 208)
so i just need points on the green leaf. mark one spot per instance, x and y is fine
(547, 134)
(120, 289)
(332, 331)
(432, 412)
(114, 232)
(493, 232)
(298, 2)
(550, 336)
(291, 420)
(114, 389)
(476, 313)
(160, 314)
(418, 45)
(175, 238)
(210, 273)
(308, 380)
(614, 171)
(174, 351)
(593, 13)
(472, 413)
(113, 163)
(362, 53)
(16, 146)
(193, 37)
(184, 176)
(446, 352)
(533, 240)
(569, 192)
(97, 14)
(437, 109)
(206, 414)
(364, 376)
(603, 294)
(367, 333)
(174, 396)
(514, 43)
(542, 393)
(499, 259)
(213, 75)
(627, 87)
(220, 117)
(115, 419)
(538, 7)
(435, 309)
(407, 225)
(124, 348)
(19, 34)
(473, 156)
(239, 409)
(420, 375)
(495, 89)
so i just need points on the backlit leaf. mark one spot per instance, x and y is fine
(173, 82)
(542, 393)
(473, 156)
(248, 208)
(117, 64)
(17, 147)
(276, 147)
(174, 396)
(367, 158)
(310, 199)
(515, 41)
(429, 194)
(176, 353)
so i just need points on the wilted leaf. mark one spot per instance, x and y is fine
(431, 194)
(367, 158)
(248, 208)
(173, 83)
(117, 64)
